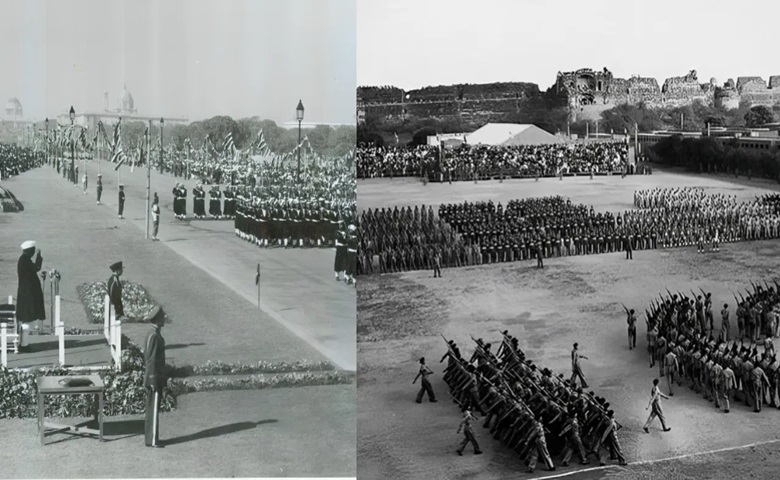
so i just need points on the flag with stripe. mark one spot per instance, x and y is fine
(117, 135)
(228, 146)
(260, 147)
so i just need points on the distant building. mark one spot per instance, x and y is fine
(13, 110)
(109, 116)
(307, 125)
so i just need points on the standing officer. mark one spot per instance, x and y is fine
(29, 295)
(99, 187)
(465, 425)
(576, 370)
(728, 384)
(155, 216)
(121, 200)
(655, 402)
(115, 290)
(426, 385)
(154, 378)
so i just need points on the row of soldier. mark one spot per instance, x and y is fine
(216, 195)
(684, 341)
(532, 411)
(16, 159)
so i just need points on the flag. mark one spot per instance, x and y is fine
(257, 277)
(228, 146)
(118, 157)
(117, 135)
(396, 137)
(260, 147)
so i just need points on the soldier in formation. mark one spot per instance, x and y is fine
(532, 411)
(712, 363)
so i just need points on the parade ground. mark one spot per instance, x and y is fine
(204, 277)
(401, 317)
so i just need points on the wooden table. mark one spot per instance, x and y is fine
(52, 386)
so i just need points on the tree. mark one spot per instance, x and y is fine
(759, 115)
(421, 136)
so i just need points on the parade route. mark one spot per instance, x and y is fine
(573, 299)
(297, 287)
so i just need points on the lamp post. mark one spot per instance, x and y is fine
(47, 139)
(162, 124)
(299, 117)
(72, 115)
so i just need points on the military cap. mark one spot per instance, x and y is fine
(116, 266)
(154, 315)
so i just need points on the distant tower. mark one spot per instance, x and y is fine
(126, 102)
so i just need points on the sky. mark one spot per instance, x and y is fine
(189, 59)
(416, 43)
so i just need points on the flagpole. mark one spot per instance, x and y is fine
(148, 174)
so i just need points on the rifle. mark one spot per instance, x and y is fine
(702, 292)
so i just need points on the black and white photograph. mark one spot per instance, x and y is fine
(178, 238)
(569, 221)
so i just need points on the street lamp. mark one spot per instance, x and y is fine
(47, 139)
(162, 124)
(72, 115)
(299, 117)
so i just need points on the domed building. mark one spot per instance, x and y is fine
(13, 110)
(125, 109)
(126, 103)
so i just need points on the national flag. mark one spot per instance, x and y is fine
(118, 157)
(117, 135)
(257, 277)
(260, 147)
(228, 146)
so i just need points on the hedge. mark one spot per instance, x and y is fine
(137, 301)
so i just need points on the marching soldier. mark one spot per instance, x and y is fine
(425, 387)
(655, 403)
(671, 367)
(468, 433)
(725, 325)
(631, 329)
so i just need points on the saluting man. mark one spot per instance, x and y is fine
(155, 217)
(154, 378)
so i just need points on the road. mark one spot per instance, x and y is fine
(297, 288)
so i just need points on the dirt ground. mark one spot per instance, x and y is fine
(574, 299)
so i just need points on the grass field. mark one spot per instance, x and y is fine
(574, 299)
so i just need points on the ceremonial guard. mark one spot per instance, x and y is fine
(199, 201)
(230, 202)
(155, 217)
(114, 286)
(341, 253)
(215, 202)
(121, 201)
(99, 187)
(154, 377)
(352, 245)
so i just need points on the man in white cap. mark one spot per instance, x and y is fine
(29, 296)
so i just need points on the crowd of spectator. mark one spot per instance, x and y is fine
(476, 162)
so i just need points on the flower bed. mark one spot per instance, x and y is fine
(220, 368)
(259, 382)
(137, 301)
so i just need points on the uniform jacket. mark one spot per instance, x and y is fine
(115, 294)
(154, 360)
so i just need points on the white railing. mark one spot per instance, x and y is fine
(114, 334)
